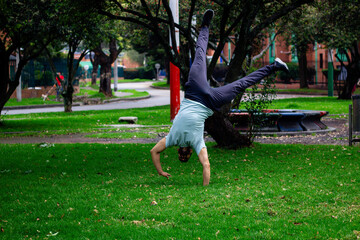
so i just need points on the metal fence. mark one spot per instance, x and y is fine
(37, 72)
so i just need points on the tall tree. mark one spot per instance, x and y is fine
(300, 32)
(111, 37)
(78, 30)
(245, 18)
(26, 27)
(339, 28)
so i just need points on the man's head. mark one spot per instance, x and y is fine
(184, 153)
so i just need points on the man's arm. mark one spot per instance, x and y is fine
(204, 160)
(155, 155)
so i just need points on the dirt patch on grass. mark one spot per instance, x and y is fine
(339, 136)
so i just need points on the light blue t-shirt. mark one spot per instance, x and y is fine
(188, 126)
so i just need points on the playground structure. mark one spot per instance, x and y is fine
(280, 121)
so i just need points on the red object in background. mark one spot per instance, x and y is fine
(57, 79)
(174, 90)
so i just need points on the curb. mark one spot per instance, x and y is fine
(37, 106)
(126, 99)
(162, 88)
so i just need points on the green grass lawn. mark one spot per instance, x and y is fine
(105, 191)
(161, 84)
(41, 124)
(31, 101)
(135, 94)
(330, 104)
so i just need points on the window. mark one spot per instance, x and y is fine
(321, 60)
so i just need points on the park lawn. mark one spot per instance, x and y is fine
(162, 84)
(45, 124)
(135, 94)
(32, 101)
(330, 104)
(106, 191)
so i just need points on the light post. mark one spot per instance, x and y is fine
(86, 68)
(157, 66)
(18, 89)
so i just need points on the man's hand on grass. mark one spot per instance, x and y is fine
(165, 174)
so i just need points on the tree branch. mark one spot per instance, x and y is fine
(282, 12)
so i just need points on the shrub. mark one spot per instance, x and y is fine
(141, 72)
(294, 73)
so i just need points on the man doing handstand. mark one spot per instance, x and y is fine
(200, 102)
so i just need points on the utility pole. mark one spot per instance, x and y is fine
(330, 74)
(115, 74)
(174, 71)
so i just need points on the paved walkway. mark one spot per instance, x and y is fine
(158, 97)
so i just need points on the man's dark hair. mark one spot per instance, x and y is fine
(184, 153)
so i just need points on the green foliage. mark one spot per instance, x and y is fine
(43, 78)
(293, 72)
(134, 56)
(26, 26)
(106, 191)
(338, 23)
(299, 27)
(254, 103)
(140, 72)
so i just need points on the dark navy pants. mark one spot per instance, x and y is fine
(198, 88)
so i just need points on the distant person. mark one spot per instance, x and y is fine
(59, 80)
(200, 102)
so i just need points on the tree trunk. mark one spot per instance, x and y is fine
(303, 72)
(353, 72)
(236, 64)
(353, 75)
(218, 126)
(94, 73)
(105, 78)
(68, 97)
(105, 62)
(8, 87)
(223, 132)
(4, 73)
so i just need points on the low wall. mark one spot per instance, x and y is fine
(38, 92)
